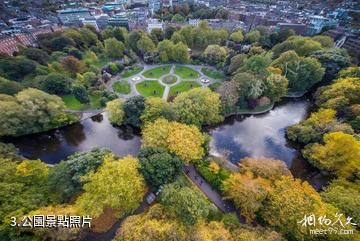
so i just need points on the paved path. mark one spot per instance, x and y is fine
(141, 77)
(214, 196)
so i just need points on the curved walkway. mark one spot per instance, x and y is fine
(213, 195)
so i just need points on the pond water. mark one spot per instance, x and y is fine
(237, 137)
(264, 136)
(56, 145)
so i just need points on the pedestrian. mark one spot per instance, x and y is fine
(201, 182)
(196, 177)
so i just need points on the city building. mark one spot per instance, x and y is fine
(154, 24)
(119, 20)
(73, 16)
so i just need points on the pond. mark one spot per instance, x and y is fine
(264, 136)
(237, 137)
(56, 145)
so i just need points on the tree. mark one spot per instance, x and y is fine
(55, 83)
(37, 55)
(169, 30)
(285, 213)
(301, 72)
(268, 169)
(333, 60)
(65, 178)
(236, 62)
(253, 36)
(30, 111)
(81, 94)
(133, 109)
(247, 192)
(229, 95)
(177, 38)
(325, 41)
(114, 48)
(186, 203)
(199, 106)
(249, 85)
(211, 231)
(275, 86)
(59, 232)
(16, 68)
(350, 72)
(115, 111)
(339, 154)
(9, 87)
(177, 18)
(341, 94)
(319, 123)
(145, 45)
(158, 166)
(116, 184)
(181, 53)
(152, 225)
(257, 64)
(237, 36)
(214, 54)
(343, 195)
(156, 108)
(166, 50)
(134, 37)
(187, 33)
(184, 141)
(61, 42)
(303, 46)
(23, 188)
(157, 35)
(72, 65)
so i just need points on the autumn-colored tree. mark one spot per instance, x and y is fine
(312, 129)
(182, 140)
(152, 225)
(247, 192)
(155, 108)
(116, 184)
(199, 106)
(276, 86)
(303, 46)
(237, 36)
(266, 168)
(58, 232)
(115, 111)
(340, 154)
(72, 65)
(211, 231)
(229, 95)
(215, 54)
(236, 62)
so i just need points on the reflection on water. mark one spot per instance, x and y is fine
(261, 135)
(264, 136)
(56, 145)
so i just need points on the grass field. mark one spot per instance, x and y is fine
(186, 72)
(132, 71)
(157, 72)
(182, 87)
(73, 104)
(212, 73)
(122, 87)
(150, 88)
(170, 79)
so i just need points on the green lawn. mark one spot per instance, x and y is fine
(103, 60)
(170, 79)
(182, 87)
(212, 73)
(214, 86)
(73, 104)
(122, 87)
(157, 72)
(186, 72)
(132, 71)
(150, 88)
